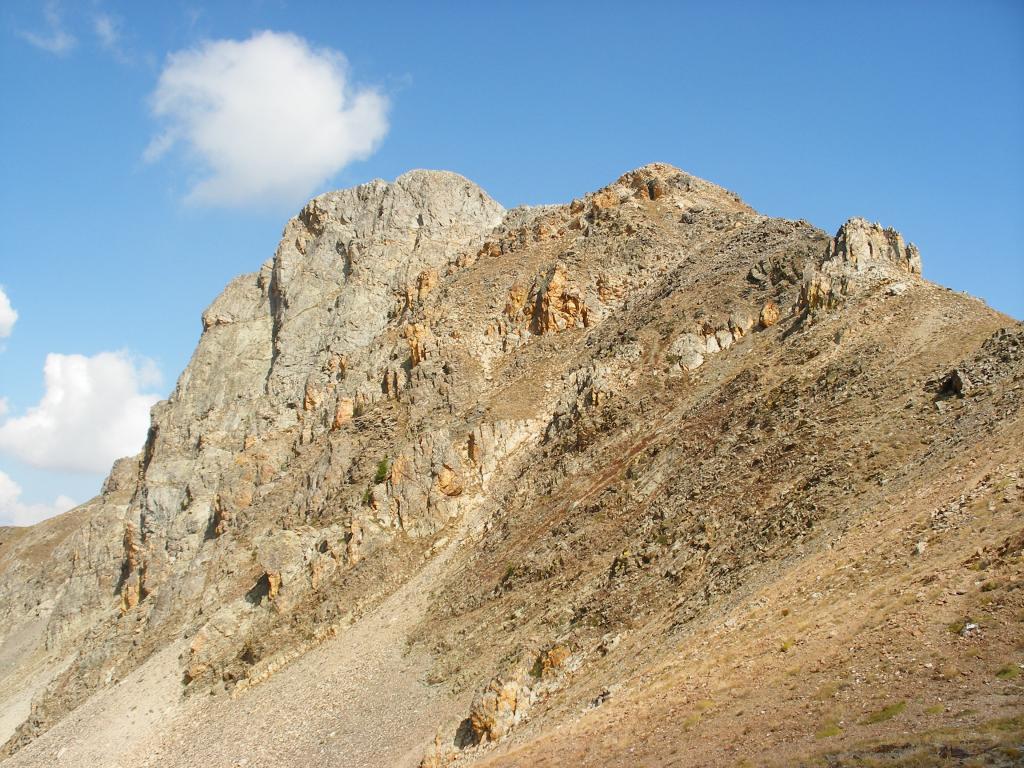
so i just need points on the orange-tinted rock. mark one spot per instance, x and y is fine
(449, 482)
(425, 283)
(343, 412)
(556, 307)
(769, 315)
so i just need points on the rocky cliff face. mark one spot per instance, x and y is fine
(612, 418)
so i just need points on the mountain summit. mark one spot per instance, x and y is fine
(647, 478)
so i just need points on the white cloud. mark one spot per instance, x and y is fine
(8, 315)
(107, 29)
(109, 32)
(56, 39)
(15, 512)
(266, 119)
(92, 412)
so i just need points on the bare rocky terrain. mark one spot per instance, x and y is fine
(644, 479)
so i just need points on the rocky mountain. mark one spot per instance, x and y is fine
(644, 479)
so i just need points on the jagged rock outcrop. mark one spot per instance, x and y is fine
(861, 253)
(863, 246)
(554, 306)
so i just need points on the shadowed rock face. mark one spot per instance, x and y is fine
(609, 416)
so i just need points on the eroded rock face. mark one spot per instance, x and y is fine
(288, 355)
(341, 270)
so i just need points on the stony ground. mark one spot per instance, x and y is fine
(358, 699)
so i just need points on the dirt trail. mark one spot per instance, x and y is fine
(357, 700)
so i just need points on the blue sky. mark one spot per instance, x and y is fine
(122, 219)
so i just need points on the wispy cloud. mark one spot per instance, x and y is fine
(55, 39)
(108, 30)
(268, 118)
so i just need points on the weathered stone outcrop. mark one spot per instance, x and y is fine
(860, 254)
(863, 245)
(554, 306)
(498, 709)
(689, 350)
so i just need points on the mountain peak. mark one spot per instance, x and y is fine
(442, 472)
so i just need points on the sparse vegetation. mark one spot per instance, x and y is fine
(885, 713)
(956, 627)
(382, 472)
(949, 671)
(1008, 672)
(691, 721)
(827, 729)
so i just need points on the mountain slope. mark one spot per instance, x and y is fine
(545, 483)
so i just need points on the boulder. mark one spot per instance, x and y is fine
(688, 351)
